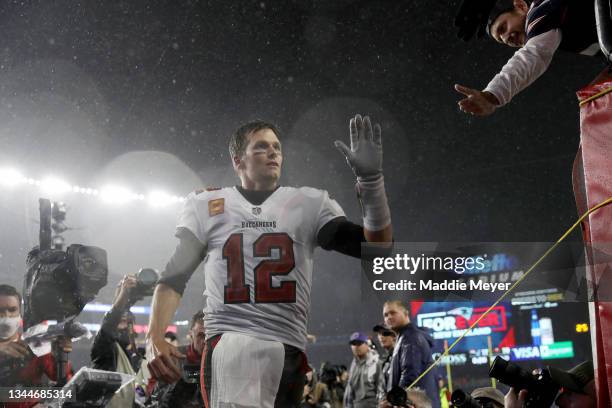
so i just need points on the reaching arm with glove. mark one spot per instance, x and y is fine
(365, 158)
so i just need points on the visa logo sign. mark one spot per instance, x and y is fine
(525, 353)
(561, 349)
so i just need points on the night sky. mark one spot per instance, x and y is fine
(147, 92)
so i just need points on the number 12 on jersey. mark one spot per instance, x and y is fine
(237, 291)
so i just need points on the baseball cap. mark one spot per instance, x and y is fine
(358, 337)
(574, 379)
(382, 329)
(500, 7)
(490, 393)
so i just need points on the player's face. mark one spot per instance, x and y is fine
(509, 28)
(198, 336)
(261, 163)
(395, 317)
(9, 306)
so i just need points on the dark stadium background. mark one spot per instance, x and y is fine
(145, 93)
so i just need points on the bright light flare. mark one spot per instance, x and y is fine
(11, 177)
(53, 185)
(117, 195)
(159, 199)
(113, 194)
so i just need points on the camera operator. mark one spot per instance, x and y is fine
(18, 365)
(578, 388)
(183, 393)
(114, 347)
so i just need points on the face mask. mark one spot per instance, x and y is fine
(9, 326)
(123, 337)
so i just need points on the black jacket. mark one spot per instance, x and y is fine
(412, 356)
(103, 351)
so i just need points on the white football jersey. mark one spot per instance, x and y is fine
(258, 267)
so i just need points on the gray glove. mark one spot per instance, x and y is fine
(365, 154)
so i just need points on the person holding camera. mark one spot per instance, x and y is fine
(114, 347)
(184, 393)
(577, 388)
(18, 365)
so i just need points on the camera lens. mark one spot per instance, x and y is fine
(461, 399)
(148, 276)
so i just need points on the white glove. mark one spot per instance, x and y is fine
(365, 154)
(365, 158)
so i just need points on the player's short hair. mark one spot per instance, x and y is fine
(8, 290)
(419, 398)
(397, 303)
(240, 138)
(199, 316)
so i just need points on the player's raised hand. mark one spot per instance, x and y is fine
(476, 102)
(162, 360)
(365, 153)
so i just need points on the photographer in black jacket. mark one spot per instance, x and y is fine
(114, 348)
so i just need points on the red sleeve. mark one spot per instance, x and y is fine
(31, 375)
(151, 386)
(47, 363)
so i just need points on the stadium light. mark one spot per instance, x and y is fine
(159, 199)
(11, 177)
(113, 194)
(53, 185)
(117, 194)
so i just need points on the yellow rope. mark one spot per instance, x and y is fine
(597, 95)
(502, 297)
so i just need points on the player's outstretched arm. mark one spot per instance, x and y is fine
(160, 353)
(365, 158)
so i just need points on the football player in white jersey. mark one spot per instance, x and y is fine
(257, 242)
